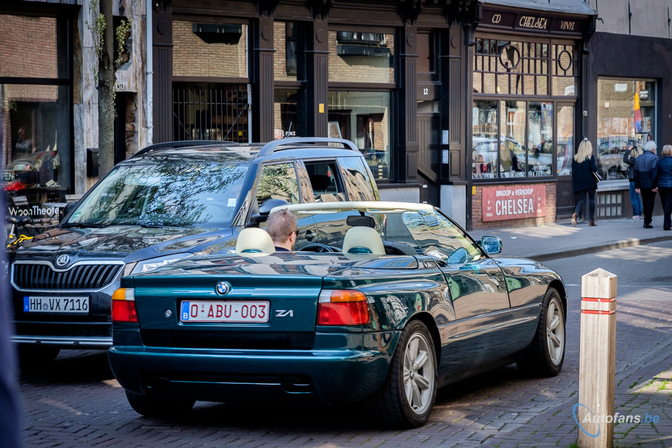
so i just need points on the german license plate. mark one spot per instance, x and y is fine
(46, 304)
(224, 311)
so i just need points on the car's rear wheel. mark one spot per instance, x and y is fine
(158, 407)
(407, 396)
(36, 356)
(547, 352)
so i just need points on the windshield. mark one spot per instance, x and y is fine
(166, 194)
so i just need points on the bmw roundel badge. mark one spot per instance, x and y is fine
(223, 288)
(62, 260)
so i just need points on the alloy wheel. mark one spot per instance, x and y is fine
(419, 373)
(555, 331)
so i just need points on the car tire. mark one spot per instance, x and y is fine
(158, 407)
(546, 355)
(36, 356)
(407, 396)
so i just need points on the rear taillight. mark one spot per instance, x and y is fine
(123, 305)
(342, 307)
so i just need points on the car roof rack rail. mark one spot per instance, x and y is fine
(292, 143)
(182, 144)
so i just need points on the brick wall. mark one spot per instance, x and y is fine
(477, 211)
(192, 56)
(360, 68)
(28, 47)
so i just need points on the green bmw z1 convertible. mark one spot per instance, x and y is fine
(400, 301)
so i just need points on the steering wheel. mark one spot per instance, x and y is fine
(317, 247)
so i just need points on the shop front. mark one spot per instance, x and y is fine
(525, 116)
(35, 110)
(626, 109)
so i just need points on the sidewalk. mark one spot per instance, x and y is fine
(561, 240)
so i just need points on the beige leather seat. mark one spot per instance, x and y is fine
(254, 240)
(363, 240)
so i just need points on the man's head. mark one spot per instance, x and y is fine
(23, 132)
(283, 228)
(650, 146)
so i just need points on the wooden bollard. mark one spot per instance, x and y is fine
(597, 360)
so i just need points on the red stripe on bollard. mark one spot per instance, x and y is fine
(588, 299)
(598, 312)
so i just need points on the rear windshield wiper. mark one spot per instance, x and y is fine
(82, 225)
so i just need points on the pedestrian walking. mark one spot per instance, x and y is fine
(665, 185)
(584, 180)
(646, 177)
(636, 200)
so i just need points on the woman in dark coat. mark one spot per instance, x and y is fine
(583, 180)
(665, 185)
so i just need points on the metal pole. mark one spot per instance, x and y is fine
(597, 362)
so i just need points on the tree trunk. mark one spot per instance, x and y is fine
(106, 80)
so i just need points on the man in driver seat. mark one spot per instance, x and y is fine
(283, 228)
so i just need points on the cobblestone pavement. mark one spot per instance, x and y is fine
(77, 402)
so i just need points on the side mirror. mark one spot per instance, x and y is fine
(270, 204)
(264, 210)
(491, 244)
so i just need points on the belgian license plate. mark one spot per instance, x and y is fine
(46, 304)
(224, 311)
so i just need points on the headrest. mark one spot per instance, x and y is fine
(363, 240)
(254, 240)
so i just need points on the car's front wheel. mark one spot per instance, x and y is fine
(546, 355)
(158, 407)
(407, 396)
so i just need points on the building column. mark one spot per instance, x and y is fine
(317, 76)
(163, 71)
(262, 80)
(405, 168)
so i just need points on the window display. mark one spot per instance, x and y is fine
(626, 116)
(35, 123)
(565, 140)
(364, 118)
(540, 139)
(484, 140)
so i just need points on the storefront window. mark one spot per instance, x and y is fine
(626, 116)
(540, 139)
(210, 111)
(284, 113)
(35, 124)
(565, 141)
(484, 141)
(209, 49)
(36, 148)
(515, 138)
(365, 57)
(364, 118)
(512, 139)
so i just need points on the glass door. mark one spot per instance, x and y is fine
(565, 151)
